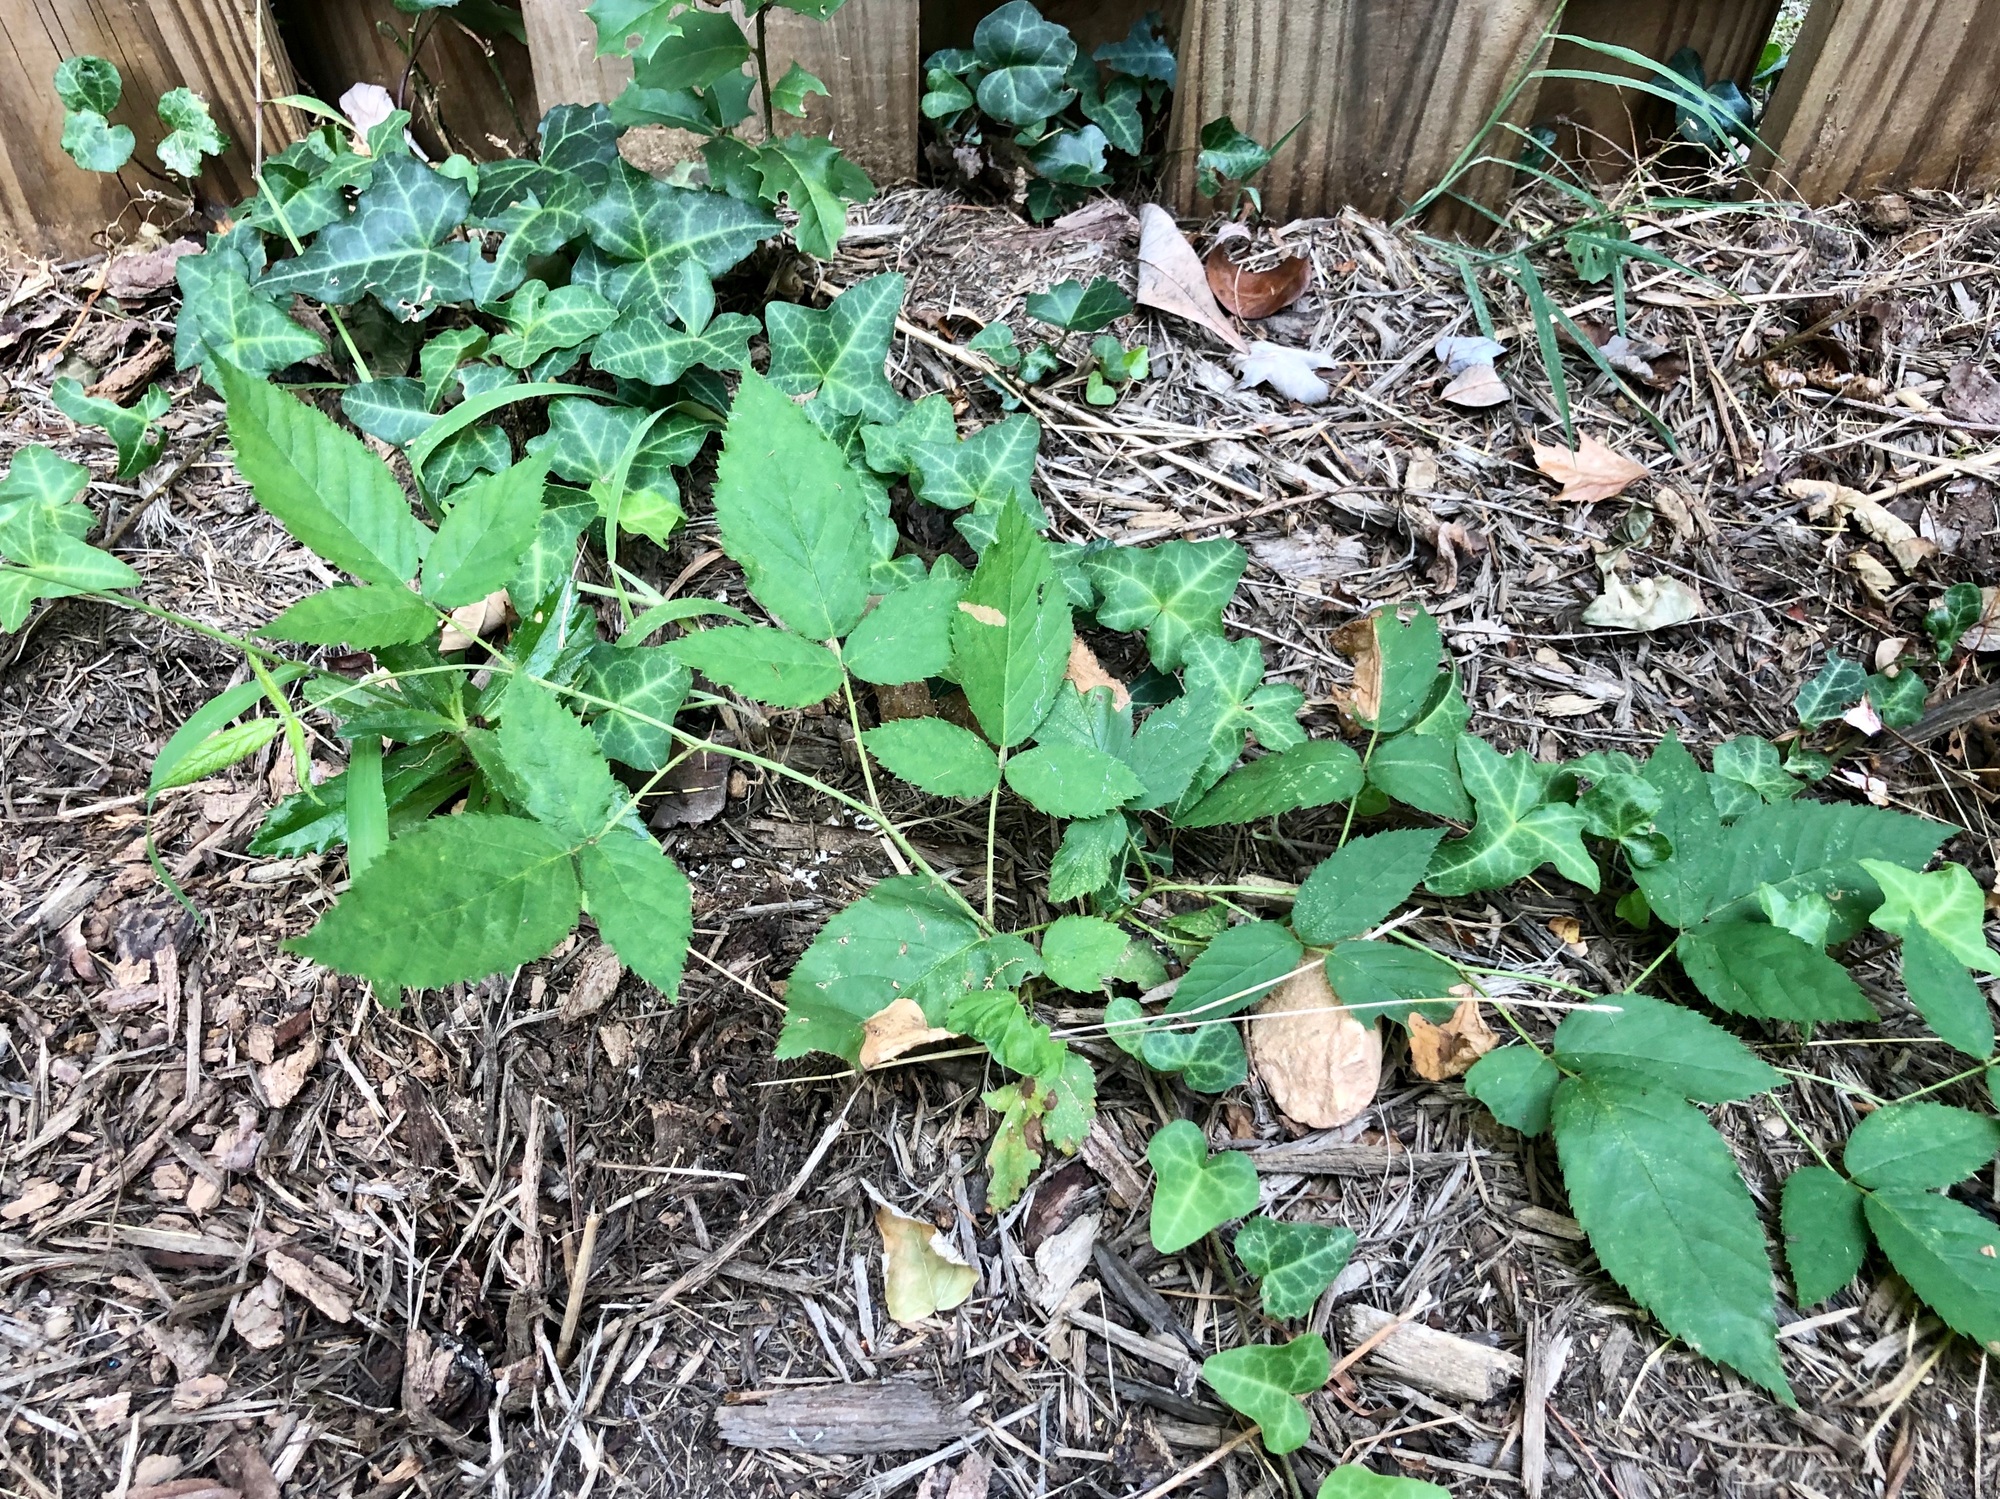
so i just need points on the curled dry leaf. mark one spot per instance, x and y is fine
(1569, 932)
(1449, 1050)
(898, 1027)
(1171, 277)
(693, 790)
(1251, 293)
(1642, 604)
(1863, 716)
(922, 1273)
(1085, 672)
(1876, 579)
(1290, 372)
(1593, 472)
(1476, 387)
(1320, 1064)
(1459, 354)
(1837, 505)
(475, 621)
(1358, 641)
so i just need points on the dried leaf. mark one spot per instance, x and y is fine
(1449, 1050)
(199, 1393)
(597, 976)
(898, 1027)
(1687, 514)
(616, 1039)
(475, 621)
(1256, 294)
(259, 1318)
(282, 1080)
(1593, 472)
(922, 1273)
(695, 789)
(108, 1411)
(139, 273)
(1872, 575)
(1458, 355)
(1643, 604)
(1972, 395)
(1290, 372)
(1085, 673)
(1477, 387)
(1985, 635)
(1171, 277)
(1837, 505)
(1359, 643)
(1320, 1064)
(1863, 716)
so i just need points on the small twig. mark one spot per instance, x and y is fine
(1195, 1470)
(579, 1282)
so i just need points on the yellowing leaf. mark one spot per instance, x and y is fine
(1593, 472)
(1449, 1050)
(1320, 1063)
(922, 1273)
(898, 1027)
(1838, 504)
(1642, 604)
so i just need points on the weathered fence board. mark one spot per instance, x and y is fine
(50, 206)
(866, 55)
(1389, 91)
(1889, 93)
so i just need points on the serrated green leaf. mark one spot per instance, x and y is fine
(1920, 1144)
(1089, 857)
(219, 751)
(1173, 592)
(935, 756)
(1517, 832)
(1825, 1234)
(1293, 1262)
(1946, 904)
(1377, 978)
(1667, 1212)
(88, 82)
(452, 900)
(1074, 307)
(1192, 1192)
(1359, 885)
(765, 665)
(1652, 1043)
(94, 143)
(907, 636)
(1748, 968)
(1236, 970)
(1949, 1253)
(1082, 952)
(647, 684)
(642, 904)
(1946, 994)
(1011, 634)
(361, 618)
(1072, 780)
(838, 355)
(1517, 1084)
(1806, 916)
(229, 704)
(1172, 746)
(1837, 688)
(1816, 846)
(1260, 1381)
(328, 490)
(131, 429)
(1313, 774)
(563, 778)
(1397, 668)
(490, 526)
(1421, 770)
(191, 133)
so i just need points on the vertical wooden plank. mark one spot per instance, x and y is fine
(1886, 94)
(866, 55)
(1607, 126)
(50, 206)
(1389, 92)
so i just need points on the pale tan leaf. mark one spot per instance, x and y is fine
(1085, 673)
(1873, 577)
(898, 1027)
(259, 1318)
(1173, 279)
(597, 976)
(200, 1393)
(1837, 505)
(1593, 472)
(1477, 386)
(1643, 604)
(474, 621)
(282, 1080)
(1449, 1050)
(108, 1411)
(922, 1274)
(1320, 1064)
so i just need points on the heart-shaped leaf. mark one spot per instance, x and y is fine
(1352, 1481)
(1070, 305)
(1262, 1380)
(1293, 1262)
(1174, 592)
(1517, 832)
(1081, 952)
(1193, 1193)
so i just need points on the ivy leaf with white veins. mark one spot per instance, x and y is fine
(1667, 1212)
(655, 225)
(586, 441)
(1360, 884)
(131, 428)
(792, 513)
(1313, 774)
(818, 182)
(1838, 687)
(540, 321)
(1192, 1192)
(765, 665)
(639, 680)
(1516, 833)
(1072, 780)
(192, 133)
(392, 408)
(1260, 1381)
(935, 756)
(838, 354)
(890, 446)
(1027, 59)
(94, 143)
(1076, 308)
(907, 636)
(225, 320)
(984, 471)
(1920, 1144)
(1947, 905)
(643, 905)
(1826, 1236)
(645, 346)
(1749, 968)
(1011, 635)
(1206, 1058)
(1294, 1262)
(1173, 592)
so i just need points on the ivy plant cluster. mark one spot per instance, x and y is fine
(90, 89)
(497, 770)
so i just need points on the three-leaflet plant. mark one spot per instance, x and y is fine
(514, 717)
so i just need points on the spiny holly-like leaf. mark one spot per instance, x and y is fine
(560, 771)
(1089, 857)
(1076, 308)
(1946, 994)
(1421, 771)
(1011, 635)
(1825, 1234)
(765, 665)
(1393, 979)
(1081, 952)
(1652, 1043)
(540, 321)
(837, 355)
(935, 756)
(328, 490)
(907, 636)
(452, 900)
(1517, 1084)
(645, 346)
(192, 133)
(1072, 780)
(489, 527)
(1920, 1144)
(1173, 592)
(1749, 968)
(361, 618)
(1946, 904)
(993, 465)
(879, 949)
(792, 513)
(1837, 688)
(1261, 1380)
(1027, 59)
(1293, 1262)
(224, 320)
(1948, 1252)
(1362, 883)
(809, 172)
(642, 904)
(131, 429)
(647, 685)
(1659, 1194)
(1516, 833)
(1193, 1193)
(1313, 774)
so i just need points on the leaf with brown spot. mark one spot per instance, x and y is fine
(1319, 1062)
(1171, 277)
(922, 1274)
(1593, 472)
(898, 1027)
(1085, 672)
(1449, 1050)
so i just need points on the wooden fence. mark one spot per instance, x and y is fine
(1879, 94)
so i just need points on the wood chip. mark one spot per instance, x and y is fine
(850, 1419)
(1453, 1367)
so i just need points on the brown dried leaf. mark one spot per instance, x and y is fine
(696, 790)
(1593, 472)
(282, 1080)
(1477, 387)
(1449, 1050)
(1875, 579)
(1972, 395)
(199, 1393)
(475, 621)
(1171, 277)
(1320, 1064)
(259, 1318)
(140, 273)
(922, 1273)
(1255, 294)
(899, 1027)
(1356, 640)
(1085, 673)
(1838, 505)
(107, 1411)
(305, 1279)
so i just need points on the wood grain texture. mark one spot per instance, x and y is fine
(50, 206)
(475, 94)
(891, 1415)
(1889, 94)
(1389, 92)
(866, 55)
(1606, 126)
(1454, 1367)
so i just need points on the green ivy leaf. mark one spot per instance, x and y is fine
(1294, 1262)
(1391, 979)
(1352, 1481)
(1206, 1058)
(392, 408)
(1072, 780)
(692, 49)
(1227, 155)
(94, 143)
(1174, 591)
(360, 618)
(1748, 968)
(1360, 884)
(838, 355)
(1516, 833)
(132, 431)
(639, 680)
(907, 636)
(935, 756)
(1898, 696)
(1517, 1084)
(1312, 774)
(88, 83)
(818, 182)
(586, 442)
(1949, 1253)
(1076, 308)
(1143, 53)
(1947, 905)
(224, 320)
(990, 467)
(452, 900)
(1946, 994)
(1082, 952)
(1259, 1382)
(1089, 857)
(1027, 58)
(944, 94)
(645, 346)
(1397, 665)
(1920, 1144)
(1659, 1194)
(891, 446)
(1651, 1043)
(765, 665)
(1953, 614)
(1192, 1192)
(642, 904)
(653, 226)
(490, 526)
(1837, 688)
(1011, 635)
(1421, 770)
(1114, 108)
(192, 133)
(1825, 1234)
(540, 321)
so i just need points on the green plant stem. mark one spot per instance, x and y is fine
(1368, 754)
(854, 723)
(1958, 1077)
(992, 834)
(1654, 966)
(764, 76)
(1839, 1087)
(298, 248)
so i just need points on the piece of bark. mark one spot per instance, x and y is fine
(1350, 1160)
(1427, 1359)
(845, 1419)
